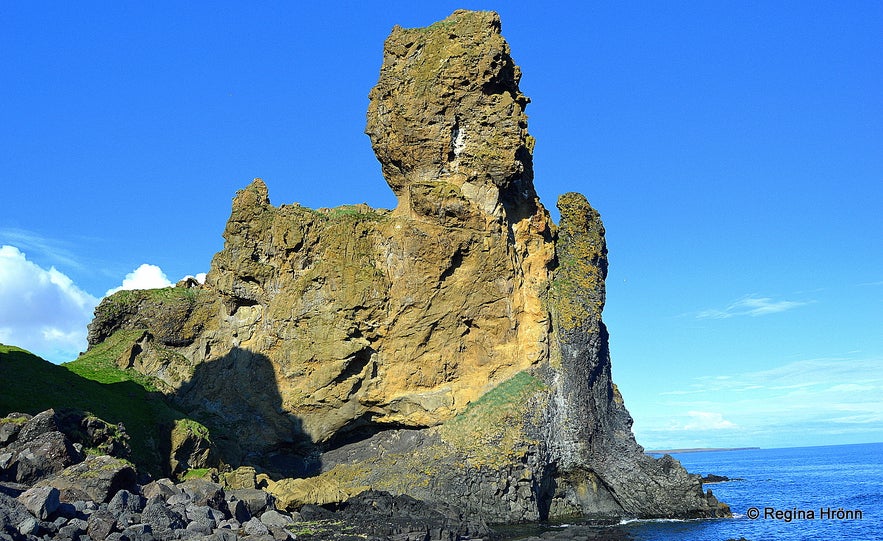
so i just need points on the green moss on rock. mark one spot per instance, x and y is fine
(491, 431)
(577, 289)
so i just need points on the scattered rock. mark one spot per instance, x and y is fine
(10, 426)
(161, 518)
(41, 501)
(712, 478)
(42, 423)
(138, 532)
(256, 501)
(38, 453)
(238, 510)
(203, 492)
(101, 524)
(99, 478)
(162, 488)
(73, 529)
(12, 511)
(126, 502)
(276, 519)
(255, 527)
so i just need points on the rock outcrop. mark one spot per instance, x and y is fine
(451, 349)
(97, 499)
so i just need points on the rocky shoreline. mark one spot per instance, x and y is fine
(54, 488)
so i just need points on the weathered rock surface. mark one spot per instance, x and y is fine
(201, 509)
(451, 350)
(447, 122)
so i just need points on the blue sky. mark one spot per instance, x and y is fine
(734, 150)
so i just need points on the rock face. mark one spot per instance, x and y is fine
(447, 119)
(451, 349)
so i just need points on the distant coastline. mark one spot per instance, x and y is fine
(698, 450)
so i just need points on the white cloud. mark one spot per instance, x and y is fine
(41, 310)
(805, 402)
(199, 277)
(144, 277)
(750, 305)
(707, 420)
(44, 312)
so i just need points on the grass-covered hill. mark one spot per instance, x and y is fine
(94, 384)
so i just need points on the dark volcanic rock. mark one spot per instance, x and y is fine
(94, 433)
(41, 501)
(161, 518)
(37, 454)
(712, 478)
(384, 515)
(98, 478)
(12, 511)
(42, 423)
(100, 524)
(256, 501)
(126, 502)
(10, 426)
(204, 492)
(162, 488)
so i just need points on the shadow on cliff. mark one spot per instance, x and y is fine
(237, 398)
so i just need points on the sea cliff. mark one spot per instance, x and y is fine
(451, 349)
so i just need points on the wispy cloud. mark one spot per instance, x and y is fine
(707, 420)
(811, 400)
(57, 251)
(751, 305)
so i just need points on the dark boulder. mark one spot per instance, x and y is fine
(125, 501)
(256, 501)
(100, 525)
(38, 454)
(41, 501)
(12, 512)
(38, 425)
(204, 492)
(162, 488)
(98, 477)
(382, 514)
(162, 518)
(10, 426)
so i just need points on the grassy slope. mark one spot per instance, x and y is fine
(94, 384)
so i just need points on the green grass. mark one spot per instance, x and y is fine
(123, 301)
(99, 363)
(353, 212)
(197, 473)
(491, 430)
(92, 384)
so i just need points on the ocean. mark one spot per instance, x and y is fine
(803, 493)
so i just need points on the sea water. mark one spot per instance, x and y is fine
(805, 493)
(832, 492)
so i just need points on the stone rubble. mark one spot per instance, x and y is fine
(97, 498)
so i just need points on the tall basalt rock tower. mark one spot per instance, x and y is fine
(447, 114)
(451, 349)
